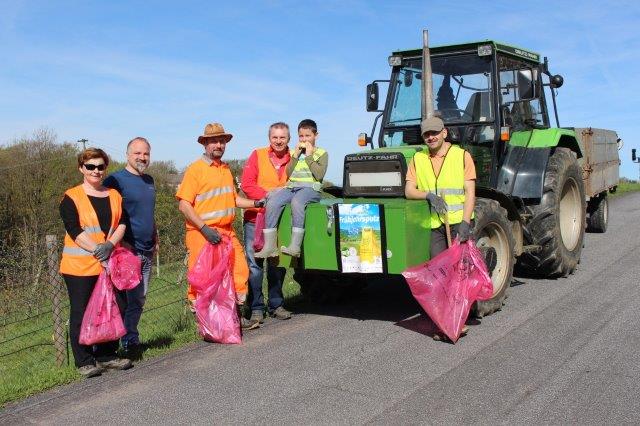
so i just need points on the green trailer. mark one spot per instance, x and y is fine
(538, 184)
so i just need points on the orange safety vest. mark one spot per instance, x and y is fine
(216, 199)
(76, 260)
(268, 178)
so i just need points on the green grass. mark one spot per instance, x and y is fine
(625, 187)
(165, 326)
(28, 365)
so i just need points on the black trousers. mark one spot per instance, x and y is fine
(439, 238)
(80, 289)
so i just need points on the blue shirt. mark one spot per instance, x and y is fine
(139, 201)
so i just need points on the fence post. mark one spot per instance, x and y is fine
(57, 294)
(158, 253)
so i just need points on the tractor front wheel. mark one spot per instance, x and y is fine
(494, 238)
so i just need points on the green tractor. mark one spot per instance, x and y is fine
(538, 187)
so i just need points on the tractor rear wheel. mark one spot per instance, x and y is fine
(598, 208)
(494, 238)
(557, 224)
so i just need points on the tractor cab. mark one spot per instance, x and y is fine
(483, 92)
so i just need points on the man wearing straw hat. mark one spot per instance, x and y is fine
(207, 198)
(445, 176)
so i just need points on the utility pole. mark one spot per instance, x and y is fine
(84, 143)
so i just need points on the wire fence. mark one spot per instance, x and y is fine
(35, 352)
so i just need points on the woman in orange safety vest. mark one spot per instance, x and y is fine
(94, 224)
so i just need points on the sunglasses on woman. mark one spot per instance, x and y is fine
(92, 167)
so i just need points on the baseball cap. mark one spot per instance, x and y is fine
(431, 124)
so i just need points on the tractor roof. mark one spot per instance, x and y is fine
(501, 47)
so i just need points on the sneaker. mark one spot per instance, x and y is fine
(90, 370)
(249, 324)
(257, 316)
(116, 364)
(281, 313)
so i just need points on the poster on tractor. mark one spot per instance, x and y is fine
(360, 238)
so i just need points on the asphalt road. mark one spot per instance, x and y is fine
(560, 351)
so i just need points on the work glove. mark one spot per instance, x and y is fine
(464, 231)
(260, 203)
(103, 251)
(210, 234)
(437, 203)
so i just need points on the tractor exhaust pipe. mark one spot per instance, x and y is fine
(427, 82)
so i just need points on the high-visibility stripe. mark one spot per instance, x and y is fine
(76, 251)
(455, 207)
(301, 174)
(92, 229)
(214, 193)
(448, 191)
(217, 213)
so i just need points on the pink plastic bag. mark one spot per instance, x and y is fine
(101, 321)
(258, 235)
(447, 285)
(216, 306)
(125, 269)
(201, 275)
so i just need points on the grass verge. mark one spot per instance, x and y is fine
(625, 187)
(27, 355)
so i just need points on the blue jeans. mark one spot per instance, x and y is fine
(298, 197)
(135, 300)
(275, 276)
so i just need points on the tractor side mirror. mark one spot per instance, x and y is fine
(526, 85)
(372, 97)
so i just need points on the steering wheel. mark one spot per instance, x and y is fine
(456, 110)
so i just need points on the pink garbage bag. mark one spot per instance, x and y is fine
(201, 275)
(258, 235)
(102, 321)
(125, 269)
(216, 305)
(447, 286)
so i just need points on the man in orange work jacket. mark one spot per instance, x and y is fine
(264, 171)
(208, 200)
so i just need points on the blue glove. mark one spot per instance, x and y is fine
(103, 251)
(464, 231)
(437, 203)
(210, 234)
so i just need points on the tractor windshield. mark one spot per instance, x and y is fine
(461, 90)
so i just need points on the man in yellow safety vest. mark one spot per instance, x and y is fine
(445, 176)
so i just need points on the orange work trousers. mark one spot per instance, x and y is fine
(239, 268)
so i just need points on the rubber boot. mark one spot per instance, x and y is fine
(270, 248)
(296, 241)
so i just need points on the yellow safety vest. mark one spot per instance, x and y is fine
(302, 176)
(449, 184)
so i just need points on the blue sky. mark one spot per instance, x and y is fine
(110, 70)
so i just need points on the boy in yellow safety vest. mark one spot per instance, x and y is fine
(305, 172)
(445, 176)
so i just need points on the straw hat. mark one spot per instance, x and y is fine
(214, 130)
